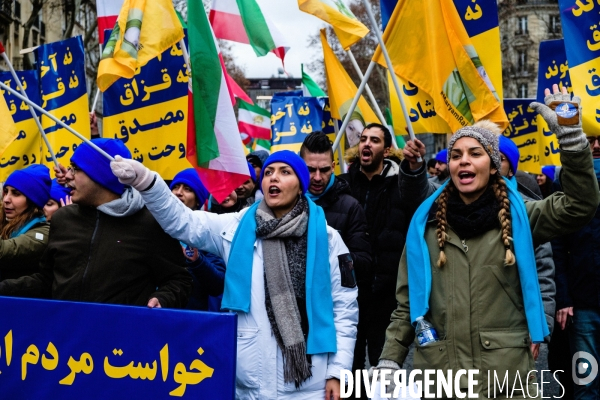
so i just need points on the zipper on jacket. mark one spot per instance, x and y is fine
(465, 245)
(89, 255)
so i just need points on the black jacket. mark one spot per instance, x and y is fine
(344, 214)
(577, 261)
(94, 257)
(387, 221)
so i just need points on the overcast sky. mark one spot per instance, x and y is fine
(296, 26)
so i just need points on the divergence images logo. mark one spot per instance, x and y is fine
(583, 363)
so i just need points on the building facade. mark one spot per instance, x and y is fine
(523, 25)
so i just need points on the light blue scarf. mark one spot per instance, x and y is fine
(315, 197)
(27, 226)
(597, 167)
(319, 302)
(419, 265)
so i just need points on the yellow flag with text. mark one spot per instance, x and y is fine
(437, 56)
(144, 29)
(348, 29)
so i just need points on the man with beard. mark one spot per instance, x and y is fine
(380, 184)
(441, 167)
(346, 215)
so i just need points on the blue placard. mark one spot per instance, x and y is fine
(67, 350)
(477, 16)
(293, 118)
(553, 67)
(521, 118)
(29, 80)
(61, 67)
(579, 20)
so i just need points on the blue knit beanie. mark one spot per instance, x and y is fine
(510, 151)
(58, 192)
(252, 172)
(442, 156)
(96, 166)
(293, 160)
(190, 178)
(549, 171)
(34, 182)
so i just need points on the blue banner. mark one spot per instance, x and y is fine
(292, 118)
(67, 350)
(61, 68)
(478, 16)
(553, 67)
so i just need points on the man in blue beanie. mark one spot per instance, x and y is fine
(106, 247)
(441, 166)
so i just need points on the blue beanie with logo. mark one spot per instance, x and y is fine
(58, 192)
(190, 178)
(34, 182)
(549, 171)
(294, 161)
(442, 156)
(96, 166)
(510, 151)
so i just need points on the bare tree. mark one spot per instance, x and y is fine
(37, 6)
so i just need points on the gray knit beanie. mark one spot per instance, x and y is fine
(487, 138)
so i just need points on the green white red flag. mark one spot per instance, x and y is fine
(243, 21)
(213, 143)
(253, 120)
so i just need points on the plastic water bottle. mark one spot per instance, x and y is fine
(426, 333)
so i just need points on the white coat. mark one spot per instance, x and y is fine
(259, 373)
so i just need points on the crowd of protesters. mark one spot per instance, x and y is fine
(329, 272)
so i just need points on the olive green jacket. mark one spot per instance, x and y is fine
(476, 304)
(21, 255)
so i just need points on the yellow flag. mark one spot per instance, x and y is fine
(342, 90)
(348, 29)
(143, 31)
(429, 47)
(8, 129)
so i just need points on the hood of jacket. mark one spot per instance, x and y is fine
(128, 204)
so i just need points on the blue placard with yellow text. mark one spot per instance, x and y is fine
(67, 350)
(292, 119)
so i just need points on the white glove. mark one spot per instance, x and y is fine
(390, 367)
(132, 173)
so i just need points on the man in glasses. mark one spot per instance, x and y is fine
(343, 213)
(106, 247)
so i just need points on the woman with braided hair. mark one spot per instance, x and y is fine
(469, 267)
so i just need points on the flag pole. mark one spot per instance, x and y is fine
(388, 61)
(361, 88)
(371, 97)
(35, 117)
(339, 149)
(97, 88)
(53, 118)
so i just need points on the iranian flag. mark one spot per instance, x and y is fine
(243, 21)
(254, 121)
(214, 147)
(108, 12)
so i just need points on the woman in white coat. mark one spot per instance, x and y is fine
(295, 296)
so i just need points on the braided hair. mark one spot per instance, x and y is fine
(501, 193)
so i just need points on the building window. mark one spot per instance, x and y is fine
(34, 38)
(522, 60)
(555, 24)
(522, 91)
(522, 26)
(17, 10)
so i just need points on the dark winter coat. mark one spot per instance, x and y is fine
(21, 255)
(387, 221)
(344, 214)
(96, 257)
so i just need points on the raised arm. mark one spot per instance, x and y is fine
(198, 229)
